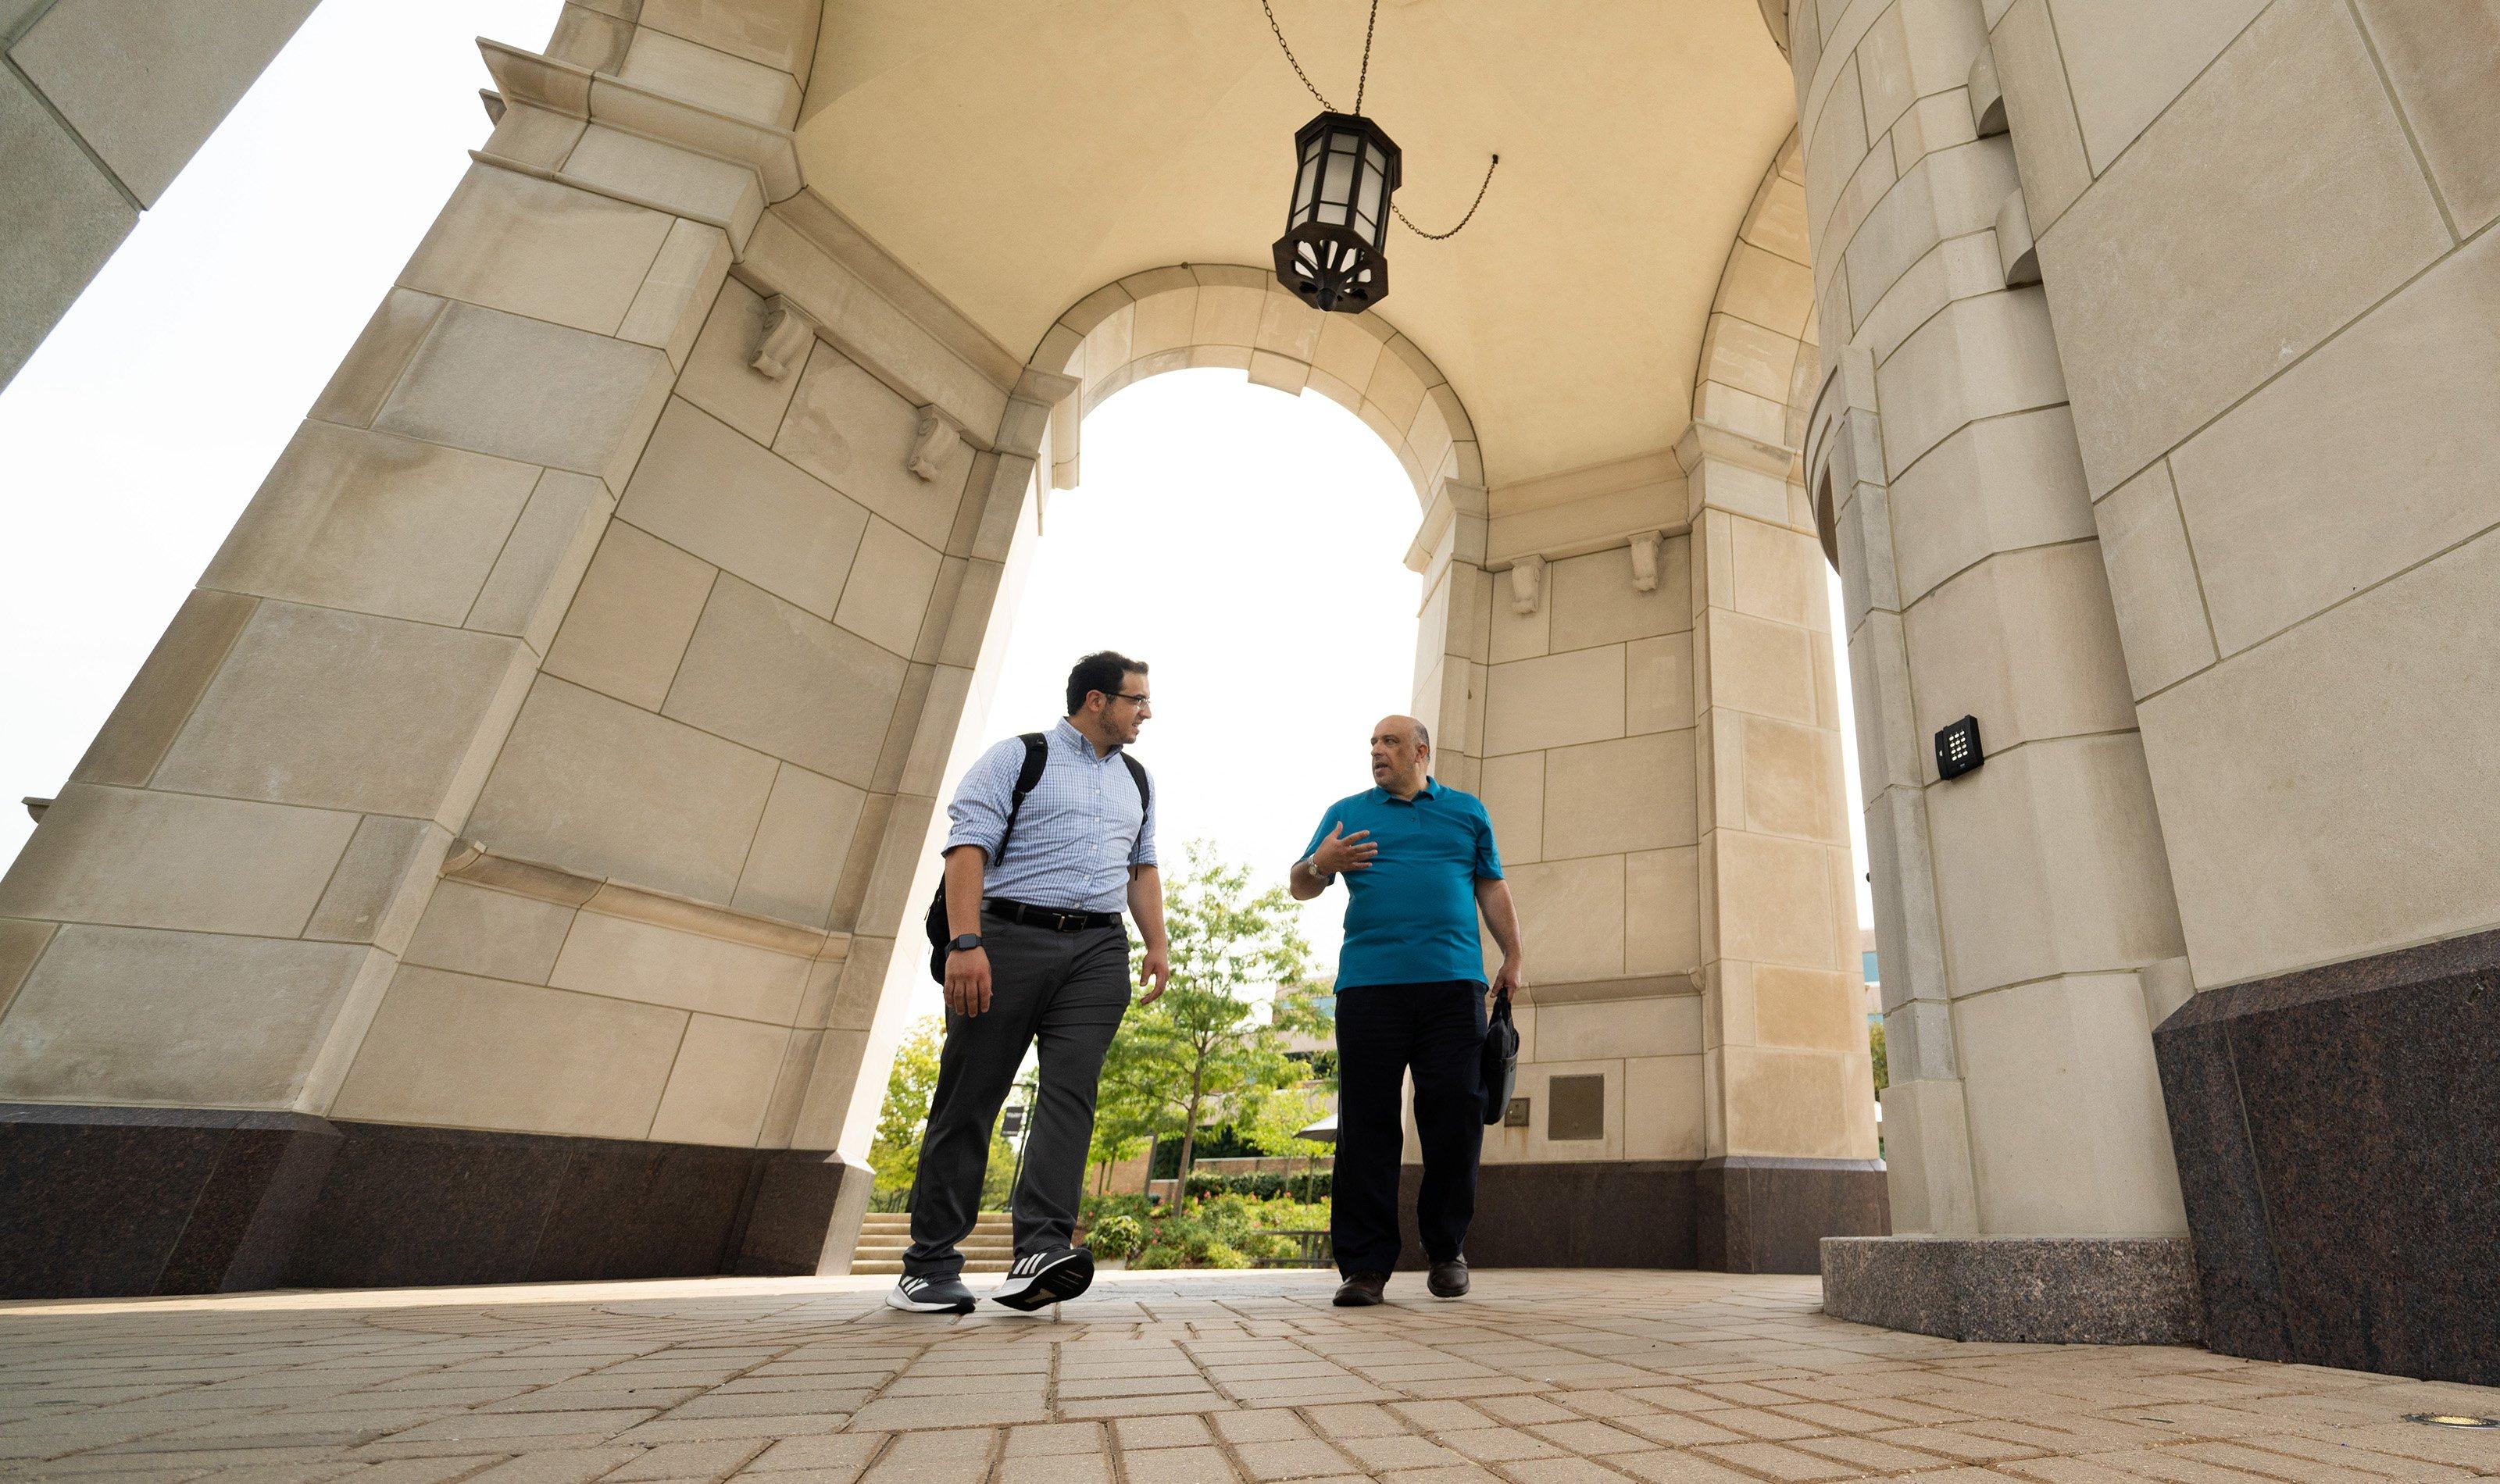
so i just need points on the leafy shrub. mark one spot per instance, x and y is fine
(1116, 1235)
(1267, 1247)
(1219, 1232)
(1095, 1207)
(1264, 1186)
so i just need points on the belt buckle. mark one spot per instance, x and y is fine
(1066, 920)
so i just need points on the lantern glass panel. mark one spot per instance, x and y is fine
(1304, 189)
(1336, 189)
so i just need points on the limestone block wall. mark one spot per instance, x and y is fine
(101, 103)
(1588, 773)
(2024, 912)
(2265, 240)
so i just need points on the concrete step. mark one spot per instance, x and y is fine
(885, 1236)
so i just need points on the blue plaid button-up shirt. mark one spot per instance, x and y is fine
(1081, 829)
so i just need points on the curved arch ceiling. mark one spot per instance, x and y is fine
(1019, 154)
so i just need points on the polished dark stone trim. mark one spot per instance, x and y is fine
(1759, 1214)
(1659, 1213)
(2338, 1139)
(98, 1202)
(2018, 1290)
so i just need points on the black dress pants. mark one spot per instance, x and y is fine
(1065, 992)
(1383, 1032)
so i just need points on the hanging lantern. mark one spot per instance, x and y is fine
(1331, 253)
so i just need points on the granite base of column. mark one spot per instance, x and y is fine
(1722, 1215)
(1761, 1214)
(108, 1201)
(2018, 1290)
(2338, 1139)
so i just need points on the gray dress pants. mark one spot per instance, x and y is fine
(1065, 991)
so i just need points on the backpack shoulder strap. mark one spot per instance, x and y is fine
(1146, 789)
(1036, 757)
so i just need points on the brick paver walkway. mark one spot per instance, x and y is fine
(1158, 1379)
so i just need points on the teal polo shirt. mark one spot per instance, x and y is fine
(1412, 918)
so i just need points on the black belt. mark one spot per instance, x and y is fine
(1052, 917)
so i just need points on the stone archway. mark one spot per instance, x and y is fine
(1227, 315)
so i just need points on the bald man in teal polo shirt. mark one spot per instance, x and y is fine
(1419, 865)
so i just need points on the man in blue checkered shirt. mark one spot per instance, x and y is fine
(1039, 953)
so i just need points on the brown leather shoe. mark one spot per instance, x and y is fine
(1449, 1279)
(1362, 1290)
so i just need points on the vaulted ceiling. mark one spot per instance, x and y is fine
(1019, 154)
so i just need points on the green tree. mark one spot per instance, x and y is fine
(894, 1156)
(1875, 1045)
(895, 1153)
(1205, 1046)
(1282, 1116)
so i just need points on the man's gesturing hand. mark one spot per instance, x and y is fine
(968, 982)
(1341, 851)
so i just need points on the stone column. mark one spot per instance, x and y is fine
(1947, 456)
(101, 106)
(263, 1019)
(2265, 238)
(1788, 1099)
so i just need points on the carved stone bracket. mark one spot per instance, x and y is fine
(1645, 545)
(2016, 252)
(1986, 96)
(936, 439)
(788, 333)
(1526, 584)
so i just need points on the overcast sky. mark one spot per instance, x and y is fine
(1246, 543)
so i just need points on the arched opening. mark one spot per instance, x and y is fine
(1217, 318)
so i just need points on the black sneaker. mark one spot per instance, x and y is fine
(1046, 1277)
(930, 1296)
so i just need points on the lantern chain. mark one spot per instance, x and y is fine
(1361, 80)
(1285, 48)
(1364, 75)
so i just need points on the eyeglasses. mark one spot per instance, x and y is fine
(1143, 701)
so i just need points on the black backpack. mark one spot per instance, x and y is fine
(1036, 757)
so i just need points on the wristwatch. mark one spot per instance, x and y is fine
(963, 943)
(1312, 863)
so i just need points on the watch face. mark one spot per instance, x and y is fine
(966, 941)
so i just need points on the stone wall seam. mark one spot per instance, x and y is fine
(669, 1076)
(104, 169)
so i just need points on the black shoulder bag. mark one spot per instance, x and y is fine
(1500, 1060)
